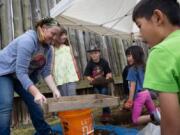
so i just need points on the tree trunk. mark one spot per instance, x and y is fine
(27, 15)
(6, 22)
(17, 17)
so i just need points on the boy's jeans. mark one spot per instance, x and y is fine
(103, 90)
(7, 85)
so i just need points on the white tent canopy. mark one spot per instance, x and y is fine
(106, 17)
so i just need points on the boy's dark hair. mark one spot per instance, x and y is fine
(170, 8)
(137, 54)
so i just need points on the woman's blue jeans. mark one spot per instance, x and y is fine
(8, 85)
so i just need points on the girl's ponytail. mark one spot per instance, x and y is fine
(40, 34)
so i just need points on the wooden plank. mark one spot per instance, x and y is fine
(82, 84)
(82, 50)
(118, 79)
(118, 55)
(74, 44)
(79, 102)
(74, 98)
(105, 49)
(17, 17)
(27, 15)
(6, 22)
(112, 56)
(122, 55)
(44, 8)
(86, 42)
(116, 59)
(36, 11)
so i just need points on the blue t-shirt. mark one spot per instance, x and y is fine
(136, 74)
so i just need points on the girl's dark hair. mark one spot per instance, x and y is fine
(64, 31)
(137, 54)
(170, 8)
(47, 21)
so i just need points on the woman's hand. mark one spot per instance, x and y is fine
(40, 98)
(51, 84)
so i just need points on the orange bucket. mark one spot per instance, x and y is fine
(77, 122)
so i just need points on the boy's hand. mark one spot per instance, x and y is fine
(108, 76)
(90, 79)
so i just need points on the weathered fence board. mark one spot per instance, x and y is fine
(17, 18)
(79, 102)
(82, 50)
(36, 11)
(27, 15)
(6, 22)
(44, 8)
(74, 44)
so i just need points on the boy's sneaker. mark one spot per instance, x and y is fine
(156, 116)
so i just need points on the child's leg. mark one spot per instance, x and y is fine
(137, 109)
(155, 115)
(62, 89)
(71, 88)
(149, 102)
